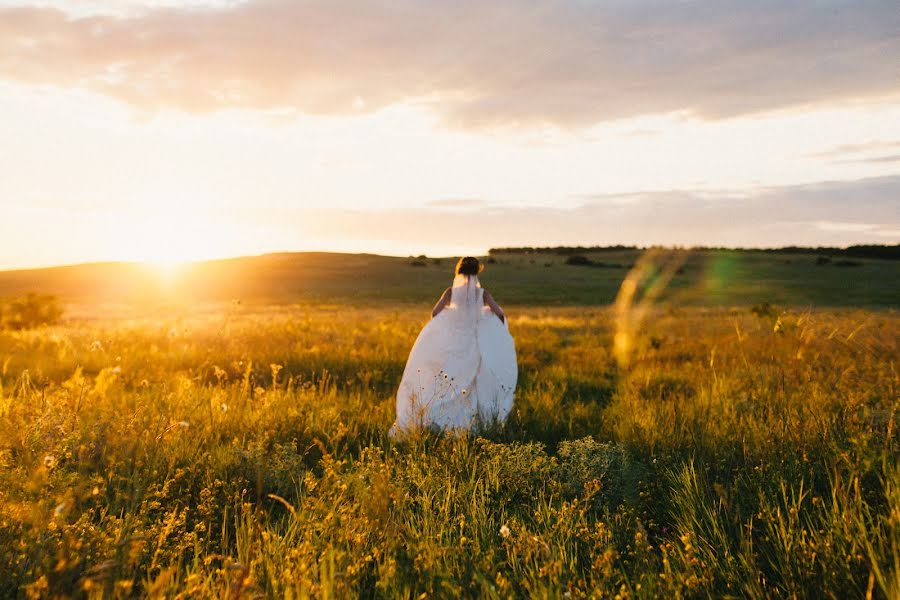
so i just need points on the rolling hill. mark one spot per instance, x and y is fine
(707, 277)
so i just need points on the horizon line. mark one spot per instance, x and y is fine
(490, 251)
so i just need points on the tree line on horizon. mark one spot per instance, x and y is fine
(882, 251)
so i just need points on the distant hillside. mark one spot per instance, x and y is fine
(281, 277)
(570, 276)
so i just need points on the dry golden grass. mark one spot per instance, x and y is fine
(242, 452)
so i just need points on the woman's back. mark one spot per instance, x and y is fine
(462, 369)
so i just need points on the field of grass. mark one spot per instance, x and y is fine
(241, 451)
(703, 278)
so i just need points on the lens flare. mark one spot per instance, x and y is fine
(642, 286)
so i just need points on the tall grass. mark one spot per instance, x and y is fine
(245, 453)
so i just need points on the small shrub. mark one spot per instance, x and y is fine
(30, 311)
(518, 471)
(605, 467)
(579, 261)
(764, 310)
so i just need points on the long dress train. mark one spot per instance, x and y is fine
(461, 372)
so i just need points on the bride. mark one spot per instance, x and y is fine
(461, 371)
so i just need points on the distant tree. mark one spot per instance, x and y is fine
(560, 250)
(888, 252)
(883, 252)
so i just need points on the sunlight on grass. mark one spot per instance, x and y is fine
(245, 452)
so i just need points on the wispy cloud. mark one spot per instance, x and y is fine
(848, 227)
(465, 203)
(851, 153)
(827, 213)
(476, 64)
(890, 158)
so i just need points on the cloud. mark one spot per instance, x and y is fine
(464, 203)
(827, 213)
(844, 149)
(476, 64)
(890, 158)
(849, 227)
(856, 153)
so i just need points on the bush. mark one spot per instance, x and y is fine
(764, 310)
(30, 311)
(579, 261)
(607, 467)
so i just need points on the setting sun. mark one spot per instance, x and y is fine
(168, 236)
(422, 299)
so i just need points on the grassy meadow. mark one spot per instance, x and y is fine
(702, 278)
(696, 443)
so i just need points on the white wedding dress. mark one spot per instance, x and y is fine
(461, 371)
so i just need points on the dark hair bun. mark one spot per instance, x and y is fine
(469, 265)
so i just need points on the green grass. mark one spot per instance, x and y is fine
(705, 278)
(243, 451)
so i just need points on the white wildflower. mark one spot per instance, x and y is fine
(504, 531)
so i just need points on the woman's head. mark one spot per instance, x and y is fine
(469, 265)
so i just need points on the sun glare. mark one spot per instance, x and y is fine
(168, 238)
(168, 270)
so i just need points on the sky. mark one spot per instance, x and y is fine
(182, 130)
